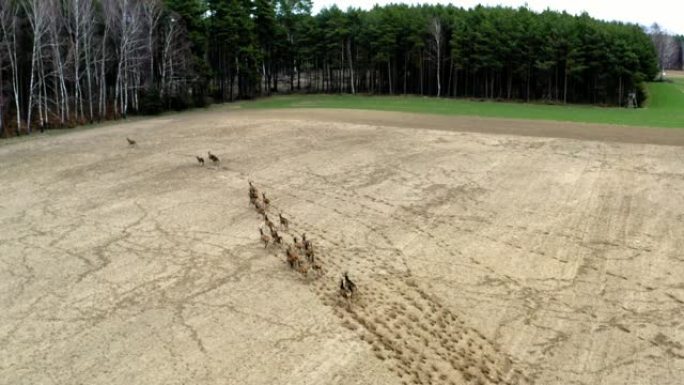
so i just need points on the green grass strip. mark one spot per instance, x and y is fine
(664, 109)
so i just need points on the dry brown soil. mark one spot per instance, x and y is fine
(482, 256)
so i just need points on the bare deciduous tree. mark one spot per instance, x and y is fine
(663, 44)
(88, 19)
(38, 14)
(175, 54)
(79, 21)
(435, 29)
(2, 84)
(153, 10)
(8, 24)
(102, 71)
(60, 90)
(351, 65)
(68, 61)
(125, 23)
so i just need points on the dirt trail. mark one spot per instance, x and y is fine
(534, 128)
(423, 341)
(480, 258)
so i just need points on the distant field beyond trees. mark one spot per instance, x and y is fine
(66, 62)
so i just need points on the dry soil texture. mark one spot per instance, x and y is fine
(480, 258)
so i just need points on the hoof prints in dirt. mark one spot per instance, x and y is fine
(421, 341)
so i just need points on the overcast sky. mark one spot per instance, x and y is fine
(668, 13)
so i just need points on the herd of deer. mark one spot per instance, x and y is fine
(292, 250)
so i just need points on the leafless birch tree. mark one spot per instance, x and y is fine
(153, 10)
(125, 23)
(175, 54)
(8, 24)
(663, 43)
(38, 15)
(437, 40)
(80, 25)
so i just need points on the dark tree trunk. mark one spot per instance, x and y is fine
(451, 73)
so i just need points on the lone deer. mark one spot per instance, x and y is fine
(213, 157)
(253, 192)
(347, 286)
(130, 141)
(284, 222)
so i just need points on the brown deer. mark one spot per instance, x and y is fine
(264, 238)
(304, 270)
(309, 252)
(347, 287)
(213, 158)
(276, 237)
(253, 192)
(268, 222)
(297, 244)
(259, 208)
(292, 257)
(284, 222)
(317, 268)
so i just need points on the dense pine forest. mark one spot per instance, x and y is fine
(69, 62)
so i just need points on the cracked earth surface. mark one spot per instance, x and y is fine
(480, 258)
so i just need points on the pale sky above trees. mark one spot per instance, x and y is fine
(668, 13)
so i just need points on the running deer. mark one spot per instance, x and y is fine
(276, 237)
(268, 222)
(347, 287)
(292, 257)
(264, 238)
(253, 192)
(284, 222)
(213, 158)
(297, 244)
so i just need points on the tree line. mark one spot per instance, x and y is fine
(67, 62)
(492, 53)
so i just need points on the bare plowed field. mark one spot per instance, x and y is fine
(481, 256)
